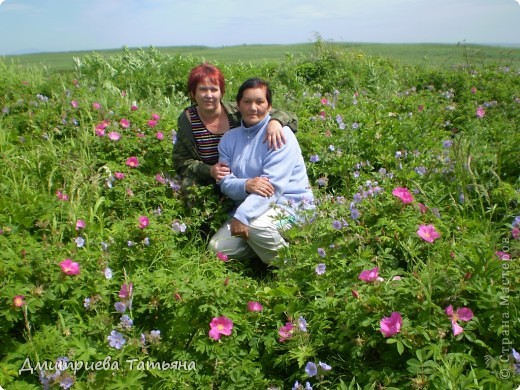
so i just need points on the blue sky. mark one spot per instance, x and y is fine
(70, 25)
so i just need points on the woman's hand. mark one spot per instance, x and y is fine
(274, 135)
(260, 186)
(219, 170)
(239, 229)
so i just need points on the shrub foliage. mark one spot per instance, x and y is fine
(406, 275)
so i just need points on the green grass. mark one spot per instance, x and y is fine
(434, 55)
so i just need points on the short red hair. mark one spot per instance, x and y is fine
(204, 72)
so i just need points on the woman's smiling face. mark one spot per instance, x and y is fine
(254, 105)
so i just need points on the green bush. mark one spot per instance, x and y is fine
(370, 131)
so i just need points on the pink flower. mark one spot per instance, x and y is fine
(222, 256)
(428, 233)
(96, 106)
(156, 117)
(422, 208)
(132, 162)
(18, 300)
(390, 326)
(74, 104)
(473, 90)
(69, 267)
(134, 106)
(160, 178)
(503, 255)
(126, 290)
(143, 222)
(404, 194)
(369, 275)
(125, 123)
(324, 101)
(100, 128)
(516, 233)
(159, 135)
(286, 332)
(80, 224)
(61, 196)
(463, 314)
(119, 175)
(114, 136)
(480, 112)
(254, 306)
(220, 326)
(152, 123)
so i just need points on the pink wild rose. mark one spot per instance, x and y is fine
(254, 306)
(126, 290)
(404, 194)
(18, 300)
(132, 162)
(125, 123)
(480, 112)
(69, 267)
(462, 314)
(390, 326)
(114, 136)
(220, 326)
(370, 275)
(80, 224)
(428, 233)
(143, 222)
(286, 332)
(222, 256)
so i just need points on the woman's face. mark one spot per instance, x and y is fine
(254, 106)
(207, 95)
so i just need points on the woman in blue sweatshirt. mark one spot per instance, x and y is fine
(270, 187)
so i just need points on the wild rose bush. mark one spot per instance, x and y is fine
(405, 276)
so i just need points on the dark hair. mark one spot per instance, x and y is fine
(202, 72)
(255, 82)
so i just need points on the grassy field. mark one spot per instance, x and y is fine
(435, 55)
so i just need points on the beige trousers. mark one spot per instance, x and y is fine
(264, 237)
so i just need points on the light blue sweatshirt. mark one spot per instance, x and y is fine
(243, 149)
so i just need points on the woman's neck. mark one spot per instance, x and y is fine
(215, 121)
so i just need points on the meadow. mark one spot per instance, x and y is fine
(405, 276)
(430, 55)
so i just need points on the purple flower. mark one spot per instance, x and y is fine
(120, 307)
(126, 322)
(66, 382)
(354, 213)
(178, 227)
(302, 324)
(321, 252)
(311, 369)
(116, 340)
(320, 269)
(324, 366)
(337, 225)
(314, 158)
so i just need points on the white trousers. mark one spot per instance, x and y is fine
(264, 237)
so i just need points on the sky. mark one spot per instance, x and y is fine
(30, 26)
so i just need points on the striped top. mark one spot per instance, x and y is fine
(207, 142)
